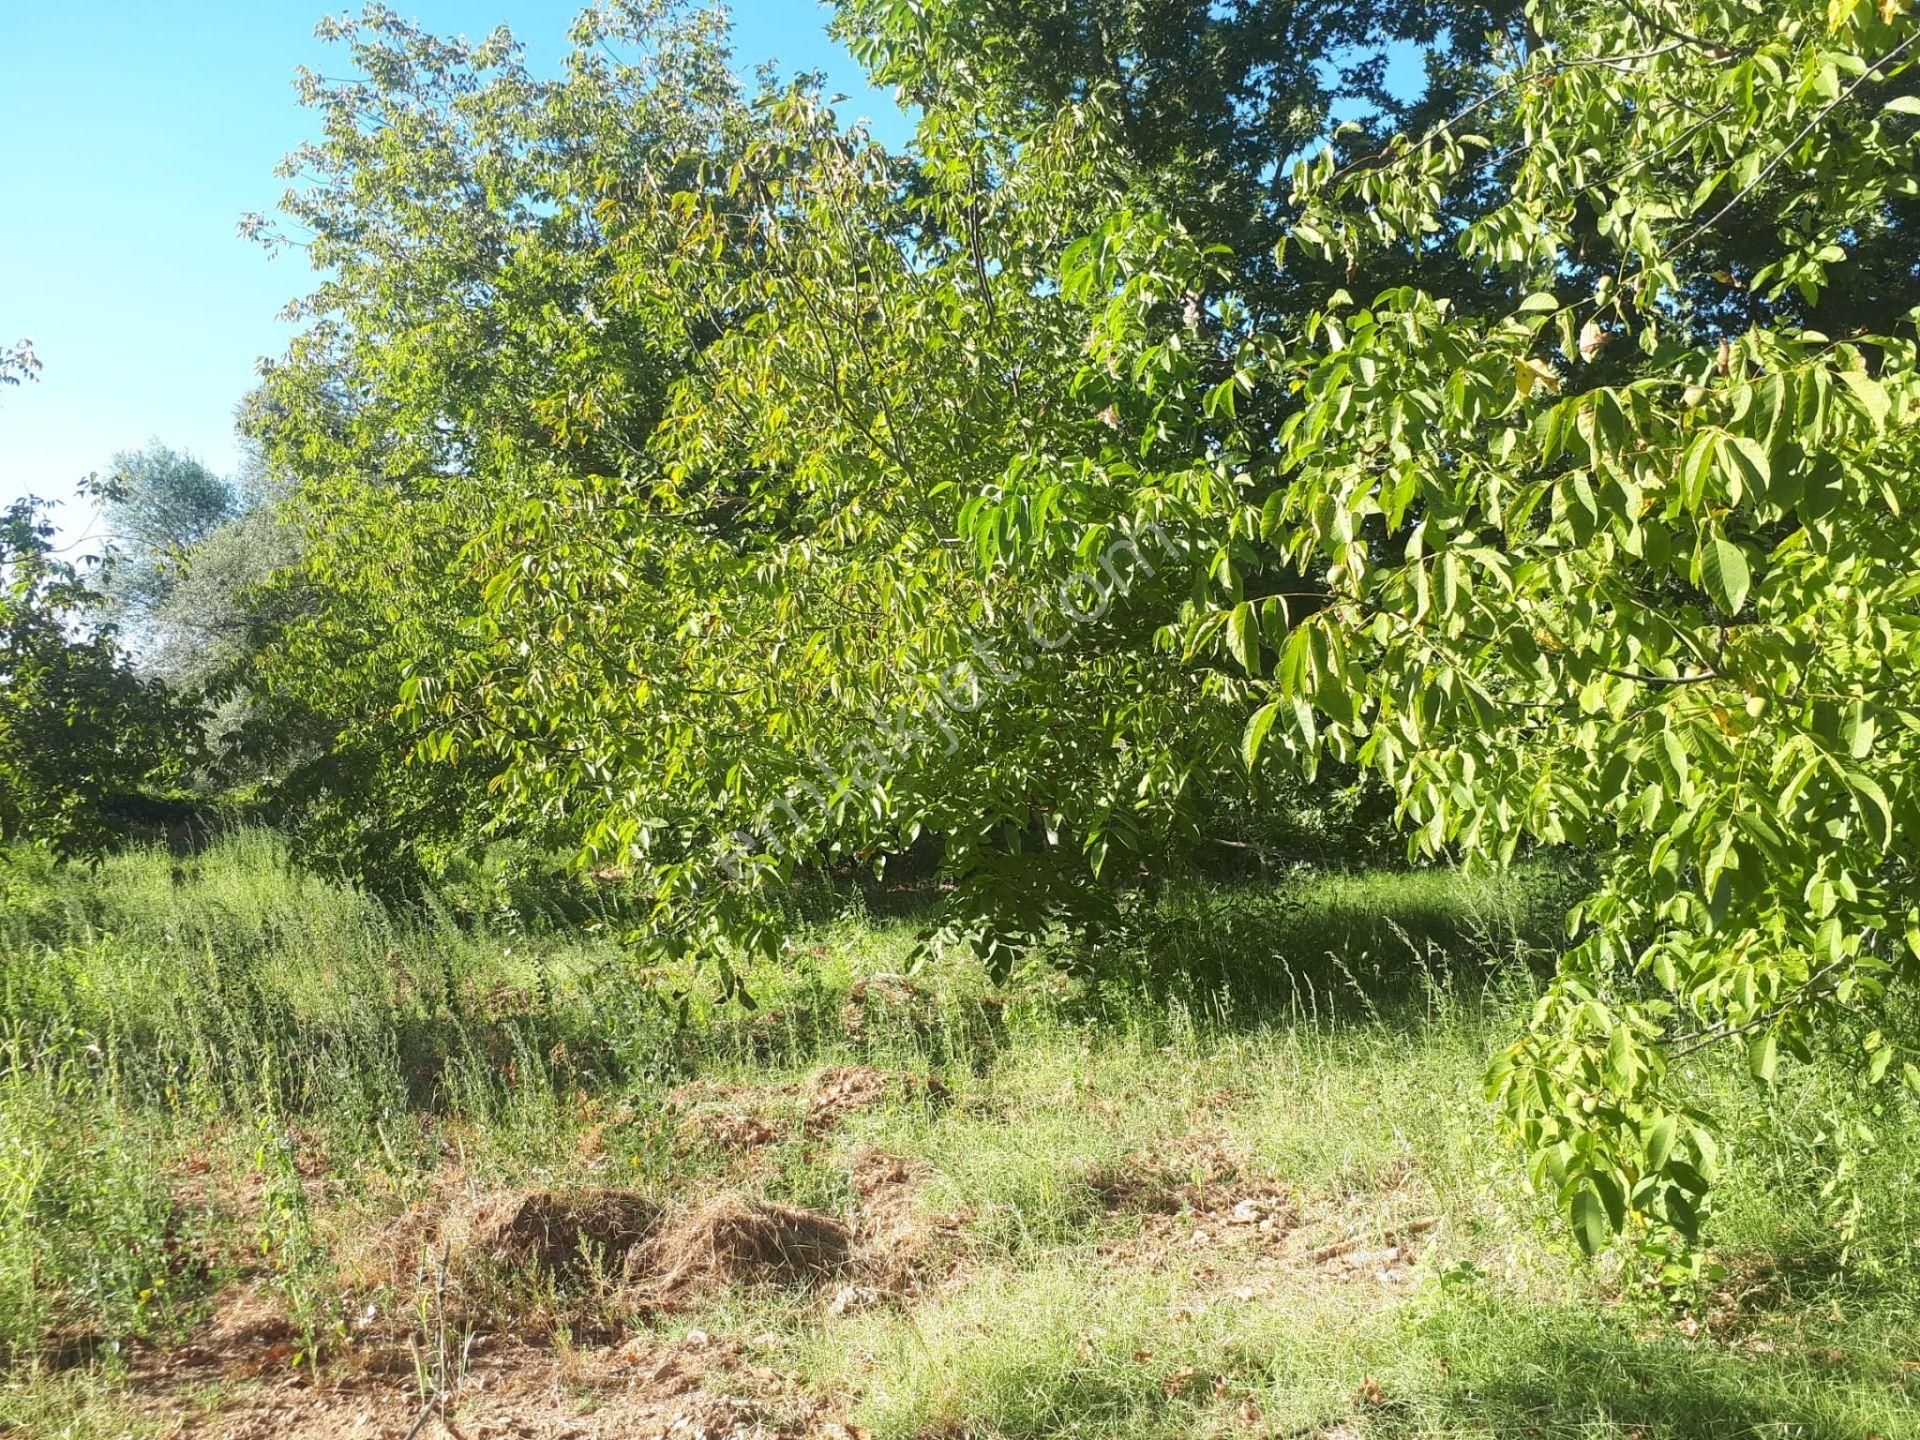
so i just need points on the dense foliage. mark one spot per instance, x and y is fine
(694, 484)
(1629, 567)
(81, 735)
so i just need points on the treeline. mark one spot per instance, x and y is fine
(684, 482)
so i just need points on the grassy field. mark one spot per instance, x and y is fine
(274, 1162)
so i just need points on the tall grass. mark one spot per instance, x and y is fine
(216, 1065)
(160, 1006)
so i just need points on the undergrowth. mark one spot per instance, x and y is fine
(218, 1074)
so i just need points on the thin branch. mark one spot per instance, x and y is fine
(1525, 78)
(1684, 1045)
(1673, 32)
(1778, 160)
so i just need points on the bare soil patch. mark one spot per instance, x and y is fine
(645, 1389)
(1212, 1193)
(246, 1334)
(1246, 1235)
(649, 1386)
(525, 1260)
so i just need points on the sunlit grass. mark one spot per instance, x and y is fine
(216, 1069)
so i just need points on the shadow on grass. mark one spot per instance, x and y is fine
(1481, 1364)
(247, 978)
(1328, 946)
(1566, 1372)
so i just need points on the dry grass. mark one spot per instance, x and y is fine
(734, 1240)
(561, 1233)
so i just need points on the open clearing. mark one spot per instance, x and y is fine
(307, 1172)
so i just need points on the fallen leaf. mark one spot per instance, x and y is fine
(1178, 1381)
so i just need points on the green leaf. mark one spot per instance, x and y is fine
(1723, 570)
(1623, 1059)
(1687, 1178)
(1876, 809)
(1677, 761)
(1613, 1196)
(1871, 394)
(1763, 1056)
(1255, 735)
(1590, 1226)
(1708, 1151)
(1683, 1213)
(1220, 397)
(1660, 1141)
(1243, 636)
(1748, 469)
(1270, 513)
(1902, 105)
(1696, 466)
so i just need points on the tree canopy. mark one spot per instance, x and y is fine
(157, 504)
(81, 735)
(690, 482)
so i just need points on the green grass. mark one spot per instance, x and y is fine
(215, 1070)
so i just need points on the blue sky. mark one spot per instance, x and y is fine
(134, 134)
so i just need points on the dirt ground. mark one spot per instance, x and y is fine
(696, 1388)
(574, 1313)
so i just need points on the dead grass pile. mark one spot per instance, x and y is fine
(843, 1090)
(394, 1254)
(695, 1094)
(736, 1134)
(888, 1002)
(733, 1240)
(736, 1120)
(899, 1244)
(560, 1232)
(1130, 1188)
(742, 1119)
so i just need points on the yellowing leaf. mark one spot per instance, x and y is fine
(1529, 372)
